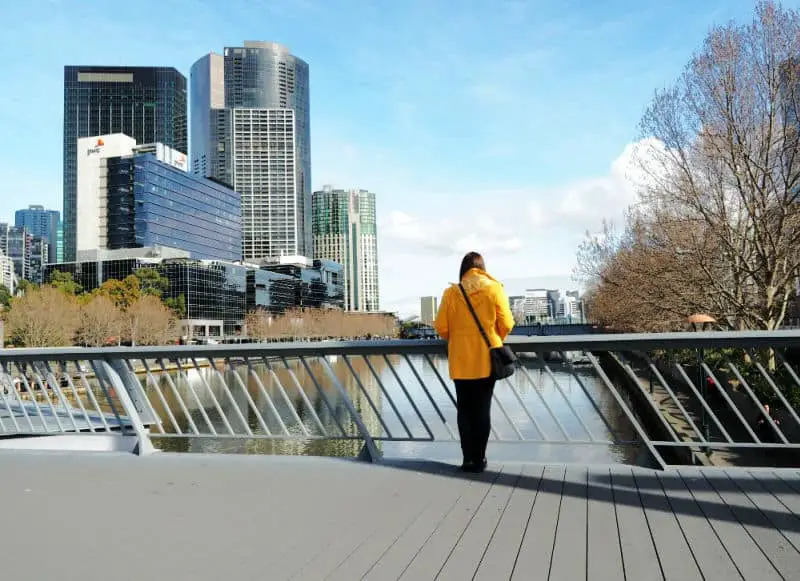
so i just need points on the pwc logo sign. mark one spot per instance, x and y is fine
(96, 149)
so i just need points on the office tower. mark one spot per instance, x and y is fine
(16, 243)
(428, 308)
(344, 231)
(259, 142)
(140, 196)
(147, 104)
(42, 223)
(8, 277)
(39, 259)
(206, 93)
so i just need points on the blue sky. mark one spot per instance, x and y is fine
(501, 126)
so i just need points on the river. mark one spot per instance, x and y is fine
(202, 397)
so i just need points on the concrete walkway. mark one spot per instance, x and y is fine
(175, 517)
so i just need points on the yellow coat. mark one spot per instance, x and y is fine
(468, 354)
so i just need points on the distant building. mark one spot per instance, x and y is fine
(39, 259)
(8, 277)
(139, 196)
(536, 305)
(428, 308)
(344, 230)
(251, 129)
(16, 243)
(45, 224)
(146, 103)
(320, 282)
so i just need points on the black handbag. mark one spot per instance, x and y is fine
(503, 359)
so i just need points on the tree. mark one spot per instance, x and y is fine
(177, 305)
(64, 282)
(24, 286)
(100, 322)
(45, 317)
(5, 296)
(149, 322)
(717, 226)
(151, 282)
(122, 293)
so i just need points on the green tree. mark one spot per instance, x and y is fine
(177, 305)
(64, 282)
(152, 282)
(5, 296)
(123, 293)
(24, 286)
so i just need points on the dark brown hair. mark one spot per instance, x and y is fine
(471, 260)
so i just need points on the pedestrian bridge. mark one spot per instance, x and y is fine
(641, 457)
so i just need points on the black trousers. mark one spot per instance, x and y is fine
(474, 402)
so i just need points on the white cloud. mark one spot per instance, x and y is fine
(526, 233)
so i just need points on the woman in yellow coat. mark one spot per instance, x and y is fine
(468, 354)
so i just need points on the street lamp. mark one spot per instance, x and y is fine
(701, 322)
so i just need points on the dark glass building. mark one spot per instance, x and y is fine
(16, 243)
(320, 285)
(152, 203)
(39, 259)
(145, 103)
(212, 291)
(42, 223)
(271, 291)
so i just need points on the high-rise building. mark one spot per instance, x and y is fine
(39, 259)
(146, 103)
(428, 308)
(138, 196)
(8, 278)
(42, 223)
(16, 244)
(258, 142)
(344, 230)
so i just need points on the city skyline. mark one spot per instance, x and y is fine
(536, 128)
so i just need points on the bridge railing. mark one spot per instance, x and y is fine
(683, 397)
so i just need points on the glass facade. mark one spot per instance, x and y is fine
(212, 291)
(151, 203)
(271, 291)
(319, 286)
(39, 259)
(345, 231)
(16, 244)
(258, 140)
(42, 223)
(145, 103)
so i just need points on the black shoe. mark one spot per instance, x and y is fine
(475, 467)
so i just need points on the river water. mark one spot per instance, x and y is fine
(389, 397)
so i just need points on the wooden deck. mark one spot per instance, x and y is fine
(87, 517)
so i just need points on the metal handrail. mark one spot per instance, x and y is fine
(254, 391)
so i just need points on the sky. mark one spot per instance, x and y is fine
(501, 126)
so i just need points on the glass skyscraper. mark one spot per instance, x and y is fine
(259, 142)
(152, 203)
(145, 103)
(42, 223)
(345, 231)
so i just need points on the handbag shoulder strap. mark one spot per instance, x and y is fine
(475, 316)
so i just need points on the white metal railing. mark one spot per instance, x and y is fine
(374, 392)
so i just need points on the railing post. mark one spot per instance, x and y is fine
(117, 381)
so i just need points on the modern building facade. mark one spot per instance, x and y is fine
(258, 141)
(132, 196)
(16, 244)
(8, 278)
(428, 308)
(206, 93)
(344, 230)
(146, 103)
(42, 223)
(39, 259)
(320, 283)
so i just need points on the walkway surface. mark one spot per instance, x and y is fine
(176, 517)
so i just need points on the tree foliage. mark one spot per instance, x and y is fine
(44, 317)
(319, 324)
(100, 322)
(716, 228)
(5, 296)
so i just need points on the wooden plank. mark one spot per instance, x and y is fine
(778, 487)
(603, 550)
(747, 556)
(536, 550)
(639, 555)
(430, 559)
(674, 554)
(402, 512)
(463, 562)
(775, 547)
(712, 558)
(569, 550)
(404, 492)
(501, 554)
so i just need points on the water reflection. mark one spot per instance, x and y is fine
(304, 399)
